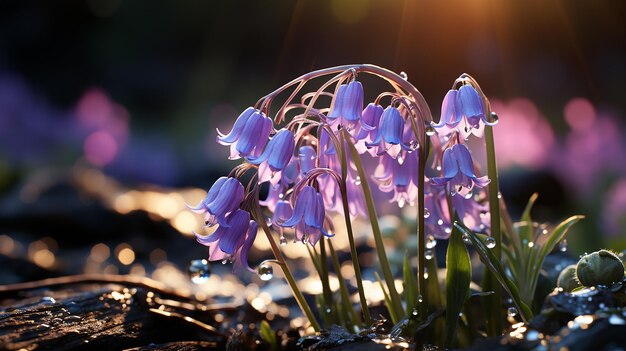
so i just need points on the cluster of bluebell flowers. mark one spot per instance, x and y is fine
(305, 159)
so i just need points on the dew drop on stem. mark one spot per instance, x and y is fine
(431, 242)
(511, 312)
(490, 242)
(265, 271)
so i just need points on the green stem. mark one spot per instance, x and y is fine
(304, 306)
(421, 234)
(351, 316)
(346, 213)
(328, 295)
(496, 232)
(378, 238)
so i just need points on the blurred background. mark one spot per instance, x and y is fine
(108, 110)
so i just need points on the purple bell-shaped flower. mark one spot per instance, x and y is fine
(348, 106)
(249, 134)
(275, 157)
(224, 197)
(458, 172)
(390, 133)
(308, 216)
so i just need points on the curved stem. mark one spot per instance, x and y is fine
(304, 306)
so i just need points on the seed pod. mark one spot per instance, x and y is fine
(599, 268)
(567, 279)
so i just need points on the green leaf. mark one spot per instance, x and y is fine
(394, 317)
(410, 285)
(458, 278)
(268, 334)
(489, 259)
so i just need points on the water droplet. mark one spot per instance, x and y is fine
(563, 245)
(468, 196)
(428, 254)
(328, 310)
(490, 242)
(431, 242)
(401, 202)
(499, 195)
(448, 230)
(414, 145)
(48, 299)
(440, 221)
(404, 76)
(199, 271)
(466, 238)
(414, 312)
(438, 168)
(400, 160)
(426, 275)
(426, 213)
(268, 221)
(494, 118)
(265, 271)
(281, 196)
(283, 240)
(430, 131)
(511, 312)
(357, 181)
(420, 299)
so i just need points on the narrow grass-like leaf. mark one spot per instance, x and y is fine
(488, 258)
(410, 285)
(268, 334)
(458, 278)
(392, 313)
(349, 314)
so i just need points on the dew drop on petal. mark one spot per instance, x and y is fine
(404, 76)
(265, 271)
(199, 271)
(357, 181)
(414, 145)
(401, 202)
(283, 240)
(440, 221)
(511, 312)
(426, 213)
(490, 242)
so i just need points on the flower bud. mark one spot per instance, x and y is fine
(567, 279)
(600, 268)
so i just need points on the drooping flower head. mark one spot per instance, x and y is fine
(275, 157)
(224, 197)
(232, 242)
(249, 134)
(348, 105)
(458, 172)
(308, 216)
(472, 213)
(370, 121)
(390, 133)
(463, 110)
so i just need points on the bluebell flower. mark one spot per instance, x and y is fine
(399, 175)
(232, 242)
(458, 172)
(367, 134)
(348, 105)
(275, 157)
(224, 197)
(249, 135)
(463, 110)
(308, 216)
(390, 133)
